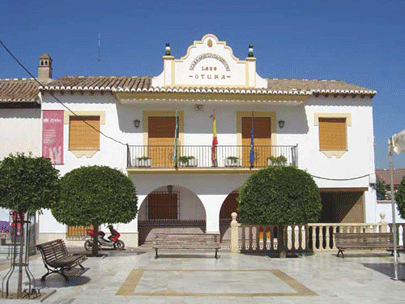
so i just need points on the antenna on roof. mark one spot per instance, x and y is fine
(99, 55)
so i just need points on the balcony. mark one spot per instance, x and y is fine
(191, 157)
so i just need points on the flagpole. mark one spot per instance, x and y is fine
(214, 140)
(394, 225)
(252, 146)
(175, 141)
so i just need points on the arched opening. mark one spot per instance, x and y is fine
(229, 205)
(168, 209)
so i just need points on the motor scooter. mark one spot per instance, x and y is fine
(113, 240)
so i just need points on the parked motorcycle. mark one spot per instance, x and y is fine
(113, 240)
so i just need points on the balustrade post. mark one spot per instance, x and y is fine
(234, 233)
(383, 223)
(313, 238)
(289, 243)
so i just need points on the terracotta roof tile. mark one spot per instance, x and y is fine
(315, 85)
(384, 175)
(136, 84)
(19, 91)
(98, 83)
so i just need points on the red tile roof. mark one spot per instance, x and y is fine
(16, 91)
(384, 175)
(19, 91)
(144, 84)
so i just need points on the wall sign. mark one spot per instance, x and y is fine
(52, 136)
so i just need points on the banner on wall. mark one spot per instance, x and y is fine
(52, 136)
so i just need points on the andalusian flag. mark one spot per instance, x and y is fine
(214, 140)
(252, 147)
(175, 140)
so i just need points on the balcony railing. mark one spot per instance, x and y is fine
(144, 156)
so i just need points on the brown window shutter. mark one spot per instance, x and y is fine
(332, 133)
(81, 135)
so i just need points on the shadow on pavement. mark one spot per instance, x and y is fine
(387, 269)
(57, 281)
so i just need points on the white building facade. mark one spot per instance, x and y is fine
(322, 126)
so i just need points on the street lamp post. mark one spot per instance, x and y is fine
(394, 225)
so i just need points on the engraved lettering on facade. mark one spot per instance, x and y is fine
(209, 55)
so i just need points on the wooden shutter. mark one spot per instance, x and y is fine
(161, 140)
(81, 135)
(162, 206)
(332, 133)
(78, 231)
(262, 140)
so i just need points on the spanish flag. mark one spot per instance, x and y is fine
(214, 140)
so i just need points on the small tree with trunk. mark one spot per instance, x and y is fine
(27, 184)
(279, 195)
(95, 195)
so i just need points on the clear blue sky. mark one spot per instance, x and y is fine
(361, 42)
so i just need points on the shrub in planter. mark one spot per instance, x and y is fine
(185, 159)
(277, 161)
(233, 159)
(279, 196)
(144, 158)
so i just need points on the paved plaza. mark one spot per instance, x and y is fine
(135, 276)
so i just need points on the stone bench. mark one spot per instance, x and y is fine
(360, 241)
(178, 241)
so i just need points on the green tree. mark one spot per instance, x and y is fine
(27, 184)
(400, 198)
(381, 189)
(95, 195)
(279, 196)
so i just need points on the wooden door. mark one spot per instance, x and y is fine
(262, 140)
(230, 205)
(161, 140)
(162, 206)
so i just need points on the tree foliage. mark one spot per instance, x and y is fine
(400, 198)
(28, 183)
(381, 189)
(95, 195)
(279, 196)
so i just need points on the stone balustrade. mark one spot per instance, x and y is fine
(300, 238)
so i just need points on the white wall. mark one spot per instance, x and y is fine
(212, 189)
(20, 131)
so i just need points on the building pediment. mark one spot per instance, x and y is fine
(209, 62)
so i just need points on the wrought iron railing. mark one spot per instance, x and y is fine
(145, 156)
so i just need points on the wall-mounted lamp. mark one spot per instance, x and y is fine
(198, 107)
(170, 189)
(137, 123)
(281, 123)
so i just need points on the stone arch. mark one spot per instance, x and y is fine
(158, 212)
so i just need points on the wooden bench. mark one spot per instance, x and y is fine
(363, 241)
(57, 259)
(186, 241)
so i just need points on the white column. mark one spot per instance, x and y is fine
(212, 205)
